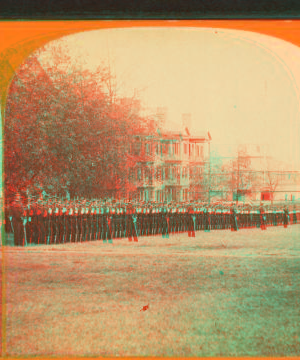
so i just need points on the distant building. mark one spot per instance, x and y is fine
(280, 185)
(271, 180)
(250, 173)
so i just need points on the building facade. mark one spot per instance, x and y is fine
(170, 166)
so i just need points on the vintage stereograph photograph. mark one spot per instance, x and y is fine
(151, 192)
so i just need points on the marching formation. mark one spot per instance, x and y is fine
(66, 222)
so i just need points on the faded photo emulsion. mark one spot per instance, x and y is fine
(152, 195)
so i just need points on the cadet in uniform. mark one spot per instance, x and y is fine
(151, 221)
(262, 218)
(134, 230)
(45, 224)
(294, 215)
(96, 223)
(89, 224)
(129, 223)
(234, 224)
(108, 218)
(206, 216)
(177, 220)
(147, 220)
(17, 220)
(74, 236)
(117, 222)
(56, 224)
(156, 221)
(49, 225)
(28, 214)
(123, 222)
(63, 216)
(275, 217)
(223, 218)
(85, 222)
(103, 222)
(165, 223)
(191, 224)
(286, 217)
(39, 224)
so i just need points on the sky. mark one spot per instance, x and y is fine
(242, 87)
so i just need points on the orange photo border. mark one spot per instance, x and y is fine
(19, 38)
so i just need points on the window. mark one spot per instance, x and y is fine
(202, 151)
(185, 194)
(132, 175)
(198, 150)
(185, 148)
(165, 149)
(139, 174)
(167, 173)
(147, 149)
(152, 173)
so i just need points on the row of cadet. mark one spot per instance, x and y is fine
(56, 223)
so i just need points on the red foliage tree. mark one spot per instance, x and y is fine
(64, 133)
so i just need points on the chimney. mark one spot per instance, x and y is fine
(187, 121)
(161, 114)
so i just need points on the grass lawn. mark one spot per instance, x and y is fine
(219, 294)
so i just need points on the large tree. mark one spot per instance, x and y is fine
(64, 131)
